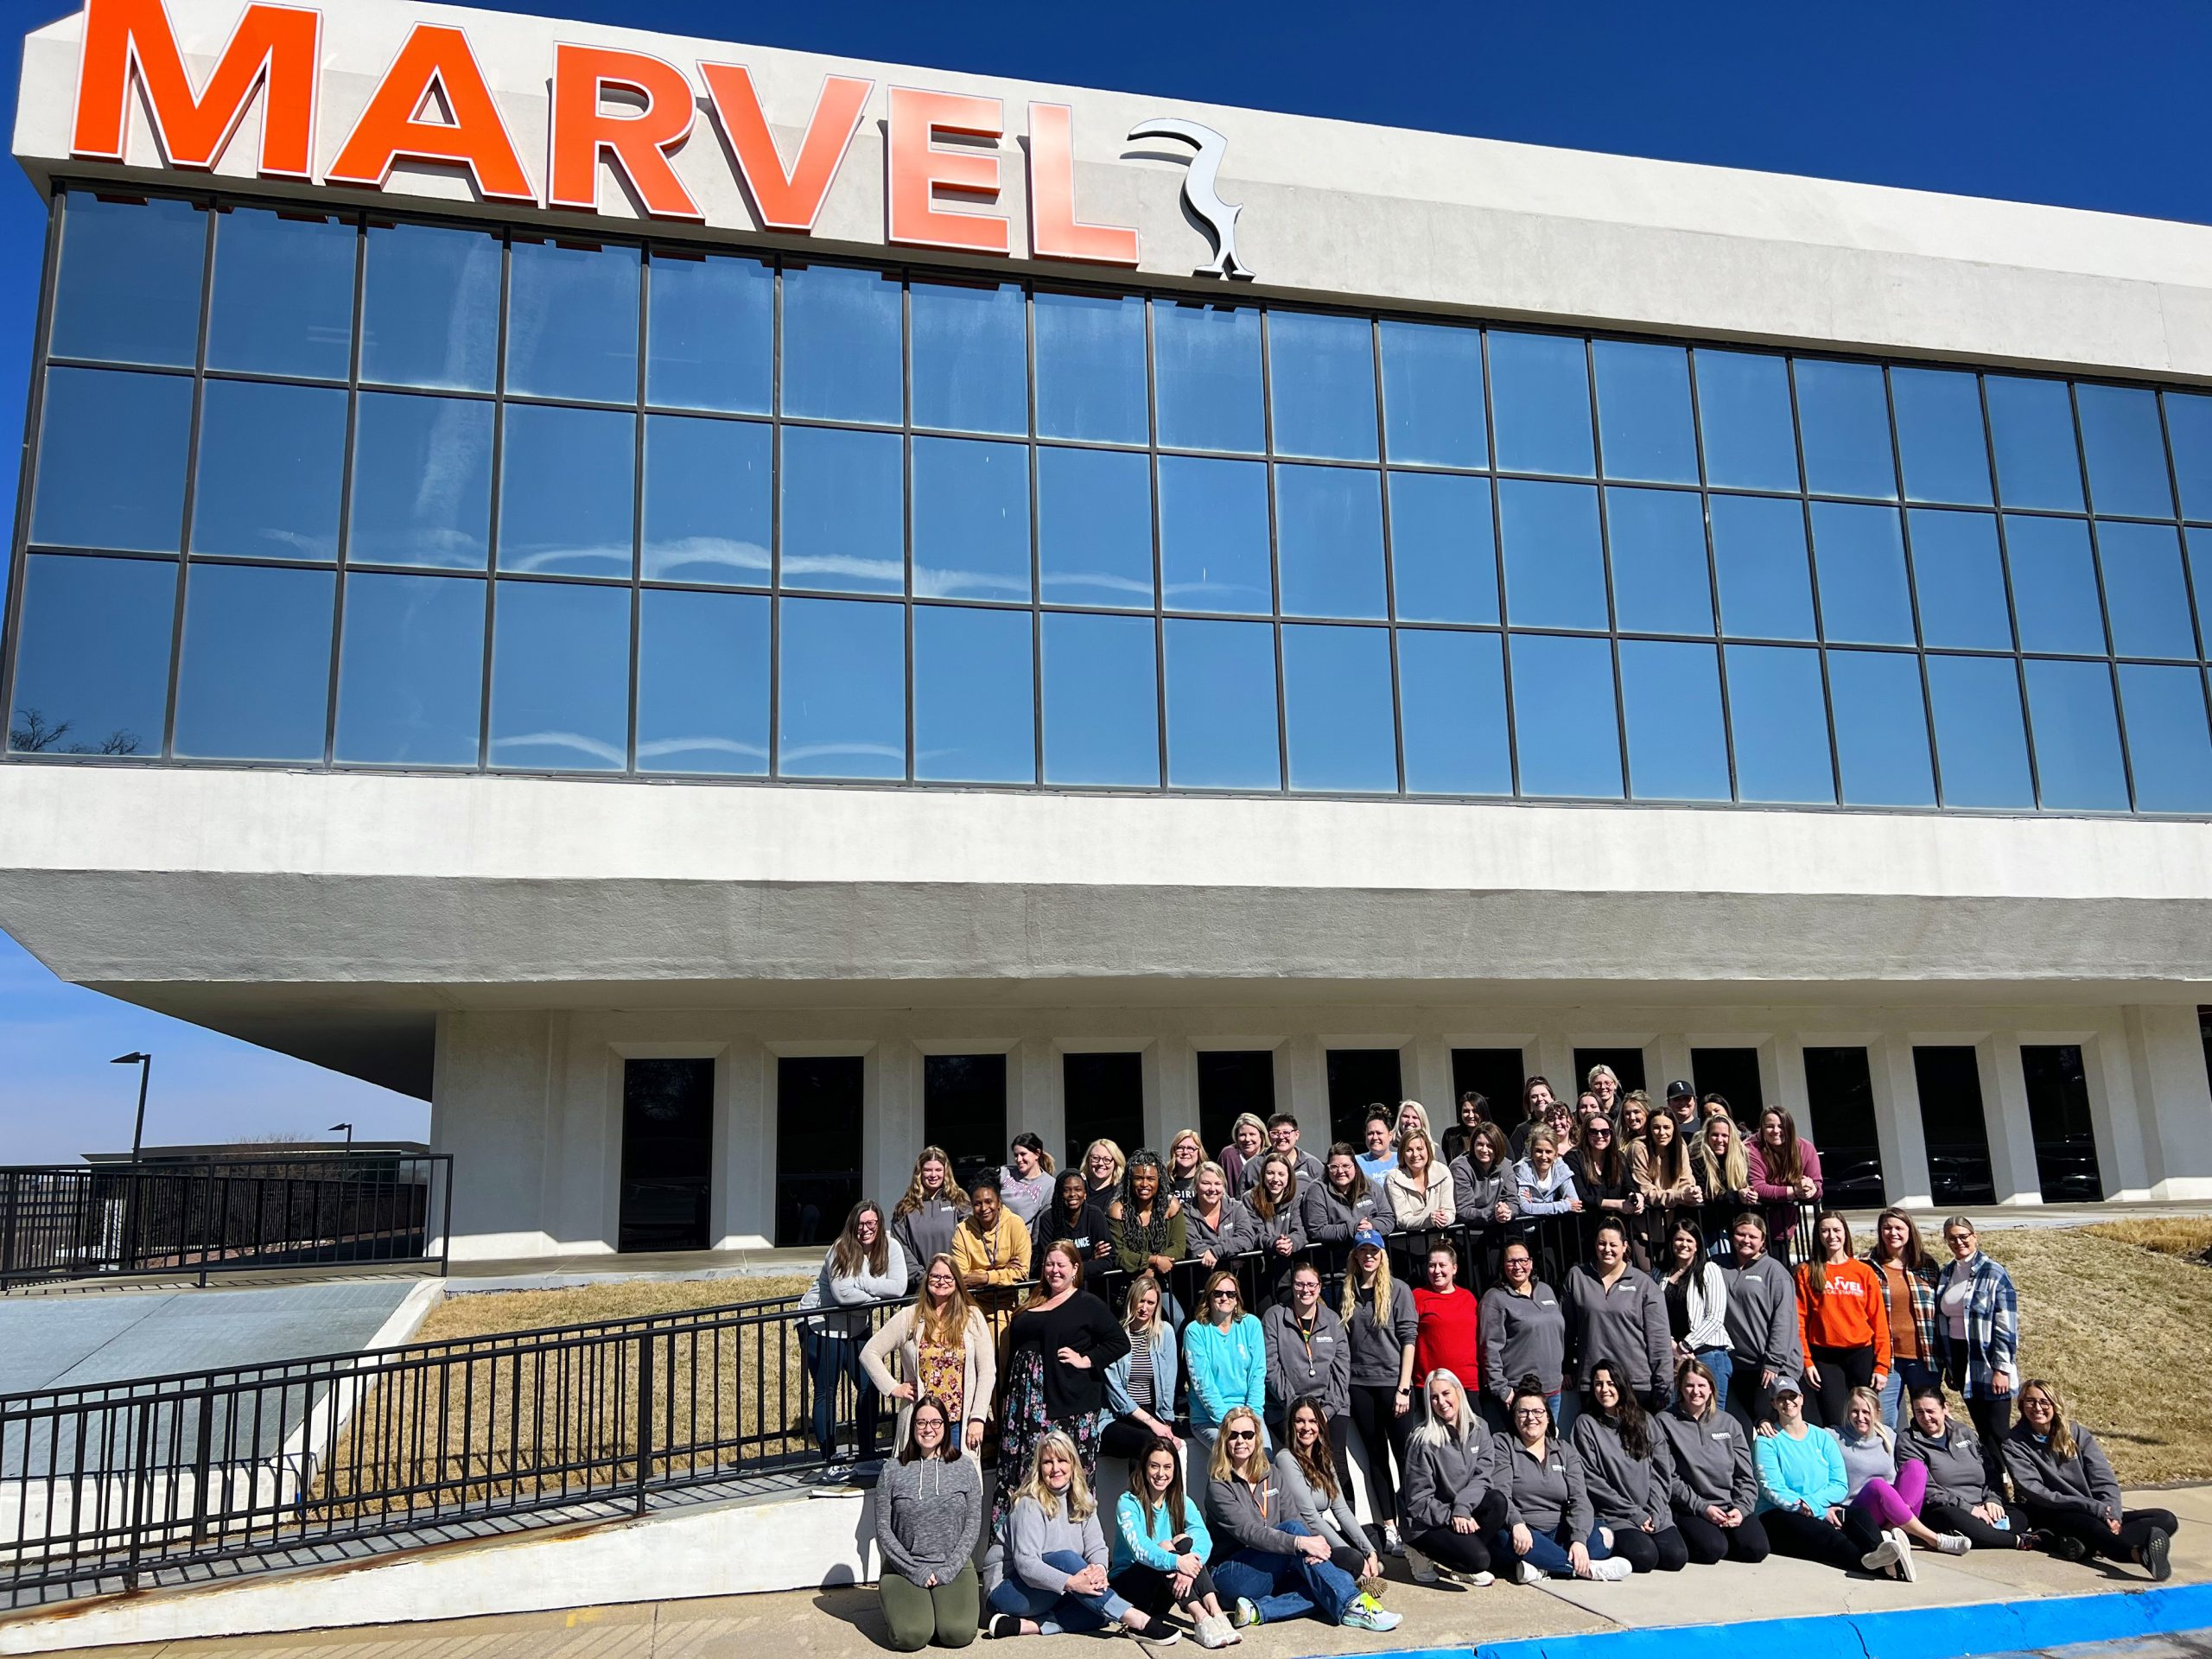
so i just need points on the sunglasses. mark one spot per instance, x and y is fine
(1241, 1434)
(1595, 1133)
(1224, 1295)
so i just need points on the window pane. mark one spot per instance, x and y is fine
(1451, 692)
(2167, 738)
(1777, 714)
(430, 312)
(1939, 438)
(2188, 428)
(2126, 451)
(1322, 375)
(1644, 412)
(561, 677)
(1540, 396)
(1766, 581)
(1555, 567)
(2076, 735)
(127, 289)
(567, 490)
(1564, 722)
(110, 460)
(1433, 395)
(971, 520)
(1093, 521)
(2145, 590)
(974, 697)
(1213, 535)
(1743, 409)
(1659, 582)
(2031, 424)
(844, 511)
(1859, 553)
(971, 357)
(842, 709)
(93, 657)
(707, 507)
(1676, 748)
(422, 482)
(1845, 419)
(1959, 576)
(272, 465)
(1979, 741)
(1091, 378)
(1221, 706)
(2054, 584)
(1881, 728)
(702, 682)
(1442, 548)
(572, 322)
(1207, 360)
(254, 682)
(410, 673)
(710, 330)
(1101, 702)
(284, 300)
(1336, 708)
(1329, 531)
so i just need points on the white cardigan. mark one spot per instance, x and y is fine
(1409, 1208)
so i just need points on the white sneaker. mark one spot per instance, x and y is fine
(1420, 1566)
(1953, 1543)
(1213, 1631)
(1392, 1544)
(1882, 1557)
(1380, 1620)
(1902, 1539)
(1527, 1572)
(1611, 1570)
(1477, 1580)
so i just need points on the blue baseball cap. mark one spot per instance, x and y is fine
(1368, 1236)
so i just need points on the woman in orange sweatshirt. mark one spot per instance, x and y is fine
(1842, 1322)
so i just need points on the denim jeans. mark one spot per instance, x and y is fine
(1286, 1587)
(1058, 1610)
(1722, 1364)
(1905, 1376)
(830, 1356)
(1545, 1550)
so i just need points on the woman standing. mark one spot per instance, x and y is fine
(1026, 1182)
(1185, 1154)
(1474, 1112)
(1311, 1491)
(1215, 1226)
(1549, 1528)
(1248, 1137)
(1803, 1492)
(2067, 1487)
(1958, 1497)
(1146, 1222)
(1615, 1312)
(1412, 1115)
(1535, 1112)
(1264, 1556)
(1636, 1117)
(1886, 1490)
(1524, 1334)
(1718, 1159)
(1278, 1227)
(944, 1353)
(1382, 1326)
(1451, 1506)
(1605, 1082)
(1225, 1355)
(1103, 1166)
(1074, 1219)
(1380, 1138)
(1546, 1182)
(1978, 1338)
(1340, 1203)
(1603, 1179)
(1055, 1555)
(1660, 1164)
(1697, 1304)
(923, 1221)
(928, 1508)
(1483, 1187)
(1160, 1547)
(865, 1266)
(990, 1251)
(1712, 1483)
(1907, 1308)
(1057, 1348)
(1785, 1171)
(1626, 1481)
(1842, 1328)
(1141, 1384)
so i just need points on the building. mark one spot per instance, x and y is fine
(721, 613)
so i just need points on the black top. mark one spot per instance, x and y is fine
(1082, 1323)
(1087, 1234)
(1455, 1140)
(1589, 1188)
(1678, 1307)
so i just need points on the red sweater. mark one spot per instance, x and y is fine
(1449, 1336)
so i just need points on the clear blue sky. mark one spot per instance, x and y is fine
(2033, 99)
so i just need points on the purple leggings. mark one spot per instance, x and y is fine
(1887, 1504)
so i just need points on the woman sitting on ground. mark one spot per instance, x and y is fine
(1958, 1495)
(1160, 1546)
(1265, 1558)
(2066, 1486)
(944, 1352)
(1887, 1491)
(1803, 1492)
(1140, 1385)
(1305, 1472)
(1450, 1506)
(1626, 1481)
(1712, 1483)
(1055, 1556)
(929, 1506)
(1549, 1530)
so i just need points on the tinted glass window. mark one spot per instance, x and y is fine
(1102, 704)
(1328, 530)
(112, 460)
(702, 682)
(283, 299)
(841, 708)
(272, 462)
(2054, 584)
(1844, 420)
(710, 333)
(411, 671)
(2032, 426)
(1766, 580)
(974, 695)
(1644, 412)
(127, 289)
(568, 491)
(572, 322)
(1442, 548)
(1221, 706)
(1959, 576)
(1743, 406)
(1677, 748)
(1881, 728)
(1659, 580)
(2188, 431)
(1939, 438)
(430, 311)
(2167, 738)
(1433, 395)
(1322, 375)
(1540, 396)
(2125, 450)
(1859, 554)
(1336, 708)
(1777, 714)
(421, 481)
(255, 681)
(1207, 365)
(844, 511)
(93, 657)
(972, 357)
(1565, 724)
(1091, 379)
(561, 677)
(707, 515)
(1094, 522)
(1555, 567)
(2145, 590)
(1213, 535)
(1451, 692)
(2077, 736)
(971, 520)
(1979, 741)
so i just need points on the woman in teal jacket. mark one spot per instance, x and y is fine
(1804, 1495)
(1224, 1357)
(1160, 1547)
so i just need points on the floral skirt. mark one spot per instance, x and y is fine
(1026, 1419)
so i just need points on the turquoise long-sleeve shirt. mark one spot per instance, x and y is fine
(1808, 1472)
(1134, 1542)
(1226, 1368)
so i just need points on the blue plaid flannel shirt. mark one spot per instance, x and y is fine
(1993, 1325)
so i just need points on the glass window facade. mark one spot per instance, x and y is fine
(553, 504)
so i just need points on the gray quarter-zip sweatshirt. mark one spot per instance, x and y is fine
(1625, 1492)
(1708, 1462)
(1624, 1322)
(1245, 1517)
(1955, 1474)
(1302, 1362)
(2082, 1484)
(1331, 1220)
(1376, 1350)
(1232, 1238)
(1762, 1316)
(1443, 1479)
(1544, 1494)
(1522, 1336)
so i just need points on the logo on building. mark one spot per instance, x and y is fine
(1201, 187)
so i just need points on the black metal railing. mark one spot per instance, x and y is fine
(224, 1214)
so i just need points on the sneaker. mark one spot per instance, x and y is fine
(2157, 1556)
(1246, 1615)
(2065, 1546)
(1360, 1617)
(1611, 1570)
(1526, 1572)
(1001, 1625)
(1392, 1544)
(1953, 1543)
(1159, 1634)
(1420, 1566)
(1882, 1557)
(1213, 1631)
(1902, 1541)
(1478, 1580)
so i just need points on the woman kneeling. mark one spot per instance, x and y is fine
(1056, 1556)
(927, 1510)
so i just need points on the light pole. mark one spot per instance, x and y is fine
(130, 1252)
(348, 1128)
(145, 1064)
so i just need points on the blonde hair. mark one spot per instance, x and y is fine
(2062, 1435)
(1121, 1163)
(1211, 1168)
(1255, 1119)
(1177, 1139)
(947, 1326)
(1255, 1467)
(1432, 1433)
(1873, 1404)
(1733, 1173)
(1428, 1150)
(1144, 1281)
(1350, 1303)
(1081, 1504)
(1257, 1200)
(951, 1191)
(1421, 1116)
(1601, 1069)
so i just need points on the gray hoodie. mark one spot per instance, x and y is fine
(1955, 1474)
(1708, 1462)
(1232, 1238)
(1522, 1336)
(1233, 1512)
(1542, 1494)
(1625, 1324)
(1444, 1478)
(1624, 1491)
(1376, 1350)
(2082, 1484)
(1762, 1316)
(928, 1513)
(1031, 1534)
(923, 1232)
(1335, 1521)
(1298, 1363)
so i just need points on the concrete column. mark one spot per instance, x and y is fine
(1896, 1124)
(1036, 1092)
(2173, 1099)
(1171, 1089)
(1428, 1067)
(2012, 1132)
(1672, 1053)
(891, 1124)
(1302, 1081)
(745, 1183)
(1555, 1051)
(1787, 1088)
(2117, 1111)
(489, 1110)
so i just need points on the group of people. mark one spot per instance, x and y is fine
(1665, 1402)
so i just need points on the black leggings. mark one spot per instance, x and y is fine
(2136, 1527)
(1126, 1438)
(1708, 1543)
(1375, 1414)
(1663, 1551)
(1841, 1370)
(1148, 1589)
(1953, 1517)
(1464, 1552)
(1810, 1538)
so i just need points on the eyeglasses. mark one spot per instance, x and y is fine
(1532, 1413)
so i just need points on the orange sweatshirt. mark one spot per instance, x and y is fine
(1848, 1312)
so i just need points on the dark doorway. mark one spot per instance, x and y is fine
(1233, 1081)
(1732, 1074)
(818, 1114)
(1840, 1091)
(963, 1110)
(1104, 1096)
(1949, 1083)
(1496, 1074)
(667, 1154)
(2058, 1116)
(1627, 1064)
(1359, 1078)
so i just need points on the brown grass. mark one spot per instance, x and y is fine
(2183, 1235)
(485, 1313)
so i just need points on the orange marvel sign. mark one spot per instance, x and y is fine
(610, 110)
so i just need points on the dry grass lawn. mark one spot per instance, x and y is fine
(2183, 1235)
(490, 1312)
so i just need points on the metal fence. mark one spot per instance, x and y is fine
(218, 1214)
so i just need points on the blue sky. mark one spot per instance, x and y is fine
(2030, 99)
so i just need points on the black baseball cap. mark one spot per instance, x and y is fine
(1678, 1089)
